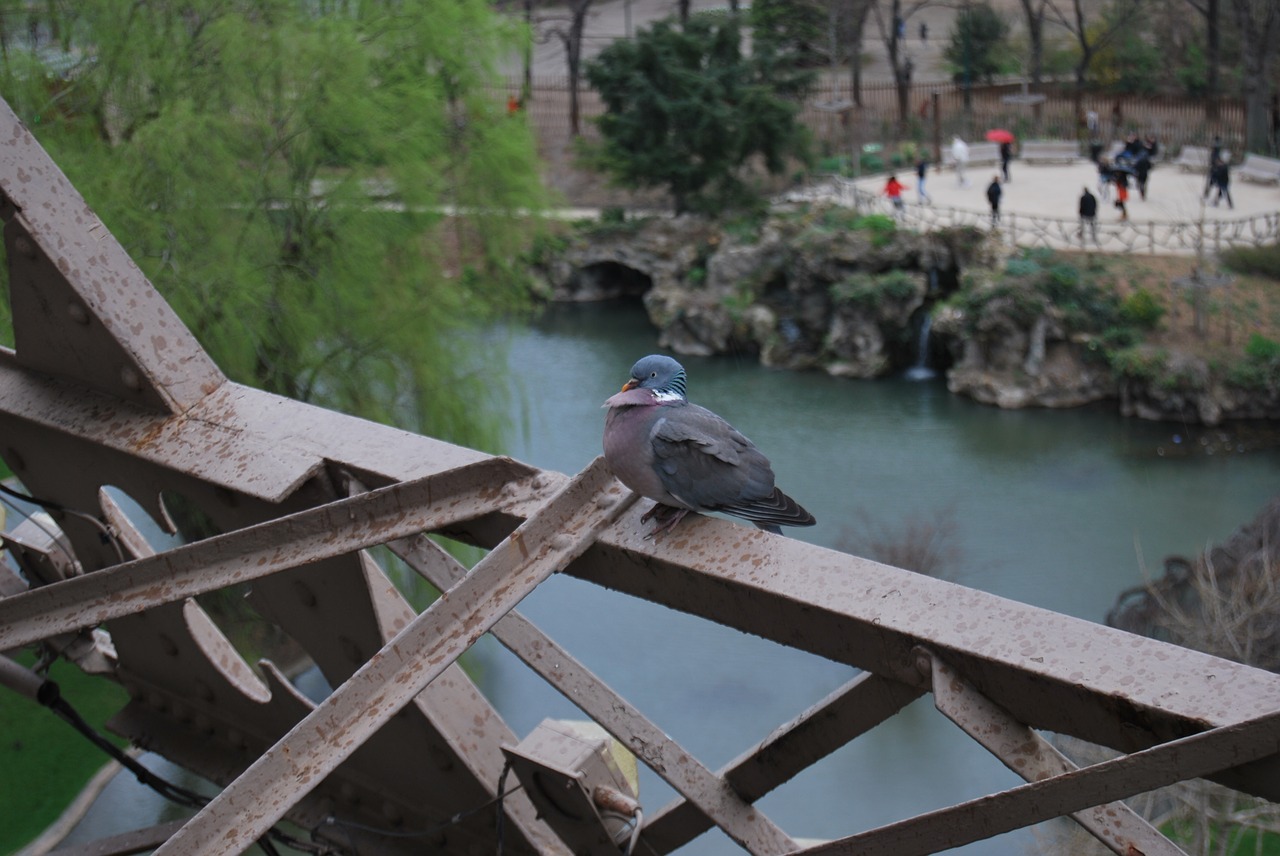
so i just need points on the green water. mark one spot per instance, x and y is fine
(1059, 509)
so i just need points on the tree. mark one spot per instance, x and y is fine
(1209, 9)
(976, 44)
(1090, 38)
(893, 28)
(1258, 22)
(1035, 11)
(233, 147)
(685, 110)
(791, 28)
(571, 36)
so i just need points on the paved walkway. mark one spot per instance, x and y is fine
(1053, 190)
(1039, 207)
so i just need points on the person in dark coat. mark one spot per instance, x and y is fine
(1215, 155)
(1104, 179)
(1006, 154)
(1220, 177)
(1141, 170)
(922, 170)
(1088, 215)
(994, 192)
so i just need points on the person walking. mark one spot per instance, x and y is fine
(1220, 177)
(1104, 179)
(1215, 155)
(960, 154)
(893, 189)
(1006, 155)
(1122, 192)
(1088, 215)
(922, 169)
(993, 196)
(1141, 171)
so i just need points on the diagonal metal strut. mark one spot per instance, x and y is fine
(335, 529)
(560, 531)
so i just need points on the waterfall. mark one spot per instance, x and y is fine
(920, 369)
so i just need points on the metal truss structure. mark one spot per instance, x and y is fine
(107, 388)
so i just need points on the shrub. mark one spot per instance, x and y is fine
(1138, 363)
(872, 289)
(1262, 261)
(881, 227)
(1142, 309)
(1262, 349)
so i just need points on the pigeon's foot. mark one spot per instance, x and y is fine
(666, 515)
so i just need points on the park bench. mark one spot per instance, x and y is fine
(1193, 158)
(1049, 151)
(979, 153)
(1259, 168)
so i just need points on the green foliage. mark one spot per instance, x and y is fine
(1260, 367)
(978, 48)
(1142, 309)
(868, 289)
(685, 110)
(1129, 63)
(795, 30)
(1138, 363)
(45, 762)
(234, 148)
(1260, 260)
(1262, 349)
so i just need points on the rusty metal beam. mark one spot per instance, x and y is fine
(1121, 829)
(850, 711)
(545, 543)
(1117, 779)
(710, 794)
(1050, 671)
(81, 307)
(288, 542)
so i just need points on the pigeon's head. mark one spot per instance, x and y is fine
(659, 373)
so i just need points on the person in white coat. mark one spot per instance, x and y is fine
(960, 154)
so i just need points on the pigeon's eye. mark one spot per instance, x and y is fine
(653, 374)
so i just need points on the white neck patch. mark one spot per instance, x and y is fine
(663, 397)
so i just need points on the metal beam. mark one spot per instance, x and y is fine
(850, 711)
(329, 530)
(1117, 779)
(1121, 829)
(713, 797)
(1050, 671)
(545, 543)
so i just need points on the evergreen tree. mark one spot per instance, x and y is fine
(279, 170)
(977, 44)
(686, 110)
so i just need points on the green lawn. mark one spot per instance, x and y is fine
(44, 762)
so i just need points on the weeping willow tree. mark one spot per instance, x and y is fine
(328, 193)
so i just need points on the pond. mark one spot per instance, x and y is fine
(1059, 509)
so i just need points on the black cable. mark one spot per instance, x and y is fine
(49, 505)
(453, 820)
(50, 695)
(502, 812)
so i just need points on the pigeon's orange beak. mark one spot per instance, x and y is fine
(630, 384)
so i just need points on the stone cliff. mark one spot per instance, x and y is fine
(821, 287)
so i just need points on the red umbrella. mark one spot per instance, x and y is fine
(999, 135)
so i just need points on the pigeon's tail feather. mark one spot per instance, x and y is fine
(776, 509)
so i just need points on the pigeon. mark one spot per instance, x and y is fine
(686, 458)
